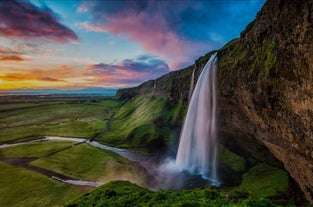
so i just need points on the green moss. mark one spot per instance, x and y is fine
(232, 160)
(122, 193)
(262, 60)
(233, 55)
(263, 180)
(267, 54)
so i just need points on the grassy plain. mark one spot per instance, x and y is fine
(86, 162)
(73, 118)
(38, 149)
(21, 187)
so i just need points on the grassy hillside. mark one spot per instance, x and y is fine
(144, 122)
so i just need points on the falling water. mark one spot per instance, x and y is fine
(198, 141)
(192, 83)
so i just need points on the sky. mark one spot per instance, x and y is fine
(74, 44)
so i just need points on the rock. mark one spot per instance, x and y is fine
(271, 79)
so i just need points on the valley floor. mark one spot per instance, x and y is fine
(51, 171)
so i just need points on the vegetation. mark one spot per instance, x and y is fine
(38, 149)
(123, 193)
(90, 163)
(232, 160)
(143, 122)
(263, 181)
(21, 187)
(140, 122)
(21, 121)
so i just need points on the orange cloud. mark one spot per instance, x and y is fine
(10, 54)
(12, 58)
(128, 72)
(49, 77)
(26, 76)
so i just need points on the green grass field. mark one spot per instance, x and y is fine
(20, 121)
(90, 163)
(21, 187)
(38, 149)
(83, 162)
(140, 122)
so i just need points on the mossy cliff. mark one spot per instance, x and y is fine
(265, 86)
(265, 89)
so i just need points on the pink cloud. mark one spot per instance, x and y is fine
(21, 19)
(153, 34)
(91, 27)
(150, 25)
(129, 71)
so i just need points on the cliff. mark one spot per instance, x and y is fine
(265, 88)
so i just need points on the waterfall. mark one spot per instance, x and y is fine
(198, 141)
(192, 83)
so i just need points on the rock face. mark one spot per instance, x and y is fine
(265, 88)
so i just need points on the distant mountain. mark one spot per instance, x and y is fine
(85, 91)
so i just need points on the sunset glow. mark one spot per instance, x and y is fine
(103, 43)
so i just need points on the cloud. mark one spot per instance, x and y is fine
(7, 54)
(29, 76)
(49, 79)
(12, 58)
(21, 19)
(128, 71)
(177, 31)
(91, 27)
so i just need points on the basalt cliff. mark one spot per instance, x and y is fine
(265, 83)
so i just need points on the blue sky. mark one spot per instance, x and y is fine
(75, 44)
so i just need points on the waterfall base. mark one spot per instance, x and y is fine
(172, 177)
